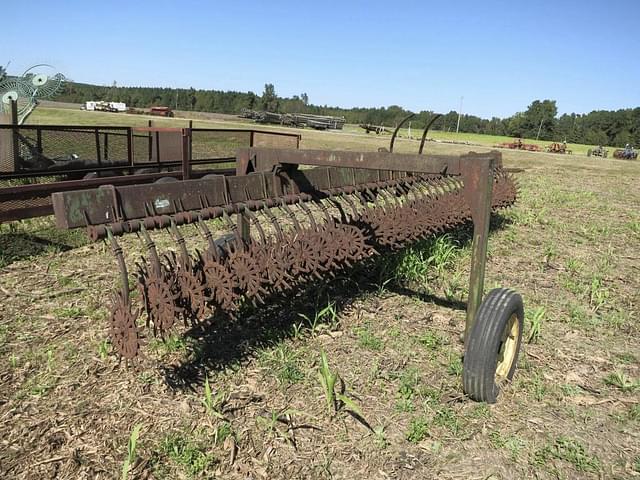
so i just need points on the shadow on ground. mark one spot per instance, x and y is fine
(221, 342)
(20, 246)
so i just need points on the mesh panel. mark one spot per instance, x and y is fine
(142, 146)
(210, 145)
(269, 140)
(43, 149)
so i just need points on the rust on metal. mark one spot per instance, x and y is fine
(285, 227)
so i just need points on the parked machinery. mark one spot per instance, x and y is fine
(626, 153)
(599, 151)
(558, 147)
(518, 144)
(282, 227)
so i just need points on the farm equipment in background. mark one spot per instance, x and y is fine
(281, 228)
(19, 96)
(103, 106)
(599, 151)
(318, 122)
(377, 129)
(558, 147)
(49, 158)
(626, 153)
(161, 111)
(518, 144)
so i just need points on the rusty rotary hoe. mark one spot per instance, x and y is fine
(287, 226)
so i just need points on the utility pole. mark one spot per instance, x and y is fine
(459, 114)
(409, 130)
(540, 128)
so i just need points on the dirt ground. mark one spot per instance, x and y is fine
(570, 246)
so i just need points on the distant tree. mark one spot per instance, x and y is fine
(540, 116)
(252, 100)
(269, 98)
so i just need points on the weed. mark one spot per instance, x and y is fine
(187, 453)
(366, 339)
(213, 404)
(570, 390)
(536, 325)
(446, 417)
(454, 287)
(634, 226)
(272, 422)
(283, 361)
(68, 312)
(512, 443)
(223, 431)
(335, 400)
(572, 265)
(620, 380)
(550, 252)
(380, 437)
(146, 378)
(432, 340)
(598, 294)
(481, 410)
(569, 450)
(3, 336)
(418, 430)
(132, 446)
(438, 255)
(571, 284)
(534, 386)
(326, 317)
(404, 404)
(409, 381)
(170, 344)
(328, 381)
(634, 412)
(103, 349)
(50, 360)
(455, 364)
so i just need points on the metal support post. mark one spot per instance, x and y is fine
(477, 175)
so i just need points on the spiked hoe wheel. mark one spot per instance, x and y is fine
(493, 345)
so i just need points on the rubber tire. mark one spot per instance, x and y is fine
(166, 180)
(483, 344)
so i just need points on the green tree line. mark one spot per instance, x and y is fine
(539, 120)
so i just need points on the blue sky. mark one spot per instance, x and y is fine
(499, 55)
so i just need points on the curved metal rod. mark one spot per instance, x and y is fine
(182, 245)
(124, 276)
(426, 129)
(151, 248)
(204, 229)
(395, 132)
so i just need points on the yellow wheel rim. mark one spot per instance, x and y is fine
(508, 348)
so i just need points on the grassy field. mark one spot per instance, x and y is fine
(243, 399)
(78, 117)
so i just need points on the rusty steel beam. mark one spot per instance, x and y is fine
(265, 159)
(45, 190)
